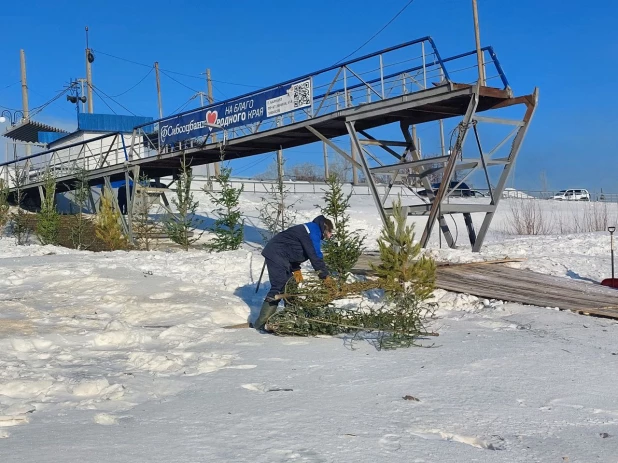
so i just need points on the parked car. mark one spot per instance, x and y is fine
(572, 195)
(462, 190)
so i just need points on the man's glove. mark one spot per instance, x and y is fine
(298, 276)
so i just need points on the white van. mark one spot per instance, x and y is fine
(572, 195)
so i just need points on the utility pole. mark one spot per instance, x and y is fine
(211, 100)
(24, 84)
(89, 60)
(81, 93)
(201, 94)
(156, 66)
(24, 92)
(442, 148)
(325, 148)
(354, 169)
(280, 164)
(479, 56)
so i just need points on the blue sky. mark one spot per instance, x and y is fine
(566, 48)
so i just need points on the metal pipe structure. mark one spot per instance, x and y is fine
(477, 37)
(160, 103)
(24, 84)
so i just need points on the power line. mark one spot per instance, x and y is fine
(103, 100)
(212, 80)
(377, 33)
(178, 82)
(224, 95)
(140, 81)
(10, 109)
(43, 96)
(8, 86)
(40, 108)
(183, 106)
(173, 72)
(111, 98)
(122, 59)
(245, 168)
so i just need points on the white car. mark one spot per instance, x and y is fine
(572, 195)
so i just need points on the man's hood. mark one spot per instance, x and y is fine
(319, 220)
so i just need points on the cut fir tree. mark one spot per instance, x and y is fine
(407, 282)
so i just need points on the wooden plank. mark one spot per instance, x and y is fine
(549, 283)
(482, 279)
(567, 293)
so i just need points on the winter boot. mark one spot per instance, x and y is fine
(269, 307)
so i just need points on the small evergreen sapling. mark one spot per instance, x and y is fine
(344, 248)
(81, 193)
(144, 227)
(276, 212)
(400, 262)
(4, 204)
(20, 228)
(108, 228)
(48, 219)
(228, 227)
(180, 227)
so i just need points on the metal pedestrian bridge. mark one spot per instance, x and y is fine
(401, 86)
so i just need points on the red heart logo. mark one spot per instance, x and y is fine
(211, 117)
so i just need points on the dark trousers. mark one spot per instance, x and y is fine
(279, 273)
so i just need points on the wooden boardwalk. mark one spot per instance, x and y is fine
(498, 281)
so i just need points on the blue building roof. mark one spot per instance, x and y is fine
(50, 137)
(109, 122)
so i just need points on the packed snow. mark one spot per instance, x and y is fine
(122, 356)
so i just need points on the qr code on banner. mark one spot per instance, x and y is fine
(302, 94)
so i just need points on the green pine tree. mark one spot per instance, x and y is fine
(276, 212)
(19, 218)
(80, 236)
(228, 227)
(4, 204)
(181, 226)
(400, 262)
(108, 228)
(48, 219)
(145, 226)
(344, 248)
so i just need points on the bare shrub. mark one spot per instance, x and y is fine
(584, 218)
(526, 217)
(597, 217)
(306, 172)
(342, 169)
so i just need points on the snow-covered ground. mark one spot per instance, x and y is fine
(121, 356)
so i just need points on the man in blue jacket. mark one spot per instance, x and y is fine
(285, 252)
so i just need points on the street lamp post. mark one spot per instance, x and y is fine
(11, 116)
(13, 119)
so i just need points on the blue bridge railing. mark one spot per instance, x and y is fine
(403, 69)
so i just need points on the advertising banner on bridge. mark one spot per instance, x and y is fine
(235, 113)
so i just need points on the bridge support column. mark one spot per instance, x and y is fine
(450, 167)
(412, 149)
(531, 104)
(368, 174)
